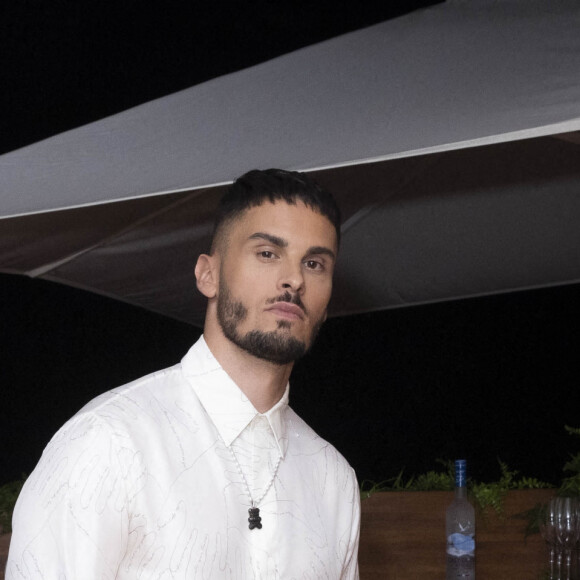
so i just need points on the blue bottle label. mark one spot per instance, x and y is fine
(460, 544)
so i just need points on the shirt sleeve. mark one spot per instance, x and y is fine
(350, 569)
(70, 520)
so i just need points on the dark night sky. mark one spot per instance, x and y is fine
(483, 377)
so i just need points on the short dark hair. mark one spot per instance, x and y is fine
(257, 186)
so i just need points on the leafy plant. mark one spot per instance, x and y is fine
(485, 495)
(533, 517)
(8, 496)
(430, 481)
(571, 485)
(492, 495)
(434, 481)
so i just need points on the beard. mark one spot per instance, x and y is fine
(275, 346)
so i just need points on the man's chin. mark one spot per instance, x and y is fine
(275, 346)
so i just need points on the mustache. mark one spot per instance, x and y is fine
(290, 298)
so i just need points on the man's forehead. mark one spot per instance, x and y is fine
(269, 209)
(295, 218)
(278, 218)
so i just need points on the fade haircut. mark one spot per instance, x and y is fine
(258, 186)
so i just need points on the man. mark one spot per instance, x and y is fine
(203, 470)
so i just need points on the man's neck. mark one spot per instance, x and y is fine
(261, 381)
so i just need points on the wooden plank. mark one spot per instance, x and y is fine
(4, 543)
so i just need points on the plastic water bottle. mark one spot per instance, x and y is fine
(460, 530)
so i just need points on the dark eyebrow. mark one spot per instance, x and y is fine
(282, 243)
(321, 250)
(275, 240)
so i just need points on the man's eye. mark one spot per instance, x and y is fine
(266, 254)
(314, 265)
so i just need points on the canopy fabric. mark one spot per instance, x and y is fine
(447, 136)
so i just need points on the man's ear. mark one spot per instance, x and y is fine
(206, 275)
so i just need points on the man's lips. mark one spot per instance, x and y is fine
(287, 310)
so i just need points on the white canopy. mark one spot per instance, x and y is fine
(447, 136)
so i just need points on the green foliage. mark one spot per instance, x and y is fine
(485, 495)
(531, 483)
(571, 485)
(492, 495)
(533, 517)
(8, 496)
(368, 488)
(572, 430)
(434, 481)
(430, 481)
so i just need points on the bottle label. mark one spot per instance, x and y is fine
(460, 472)
(460, 544)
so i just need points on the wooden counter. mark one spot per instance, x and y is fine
(403, 538)
(4, 543)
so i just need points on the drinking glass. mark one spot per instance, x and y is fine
(548, 524)
(560, 527)
(568, 532)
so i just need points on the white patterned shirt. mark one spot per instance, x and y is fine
(140, 484)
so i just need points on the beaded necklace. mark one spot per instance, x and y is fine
(255, 520)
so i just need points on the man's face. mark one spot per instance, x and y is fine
(276, 280)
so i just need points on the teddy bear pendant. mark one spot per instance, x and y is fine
(255, 519)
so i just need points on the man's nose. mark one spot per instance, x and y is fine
(292, 278)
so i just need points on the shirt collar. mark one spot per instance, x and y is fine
(225, 403)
